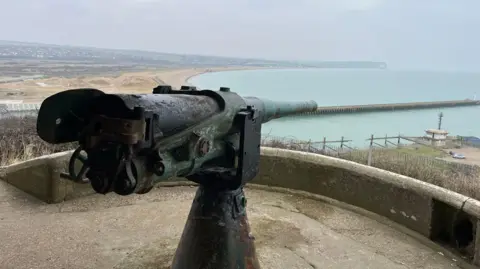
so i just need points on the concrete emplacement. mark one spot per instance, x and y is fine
(295, 209)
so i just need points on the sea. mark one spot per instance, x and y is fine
(336, 87)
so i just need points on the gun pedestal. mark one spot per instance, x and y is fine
(217, 233)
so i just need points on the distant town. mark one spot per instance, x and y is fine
(32, 59)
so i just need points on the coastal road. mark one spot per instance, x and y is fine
(142, 231)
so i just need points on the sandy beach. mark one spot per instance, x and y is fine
(179, 77)
(33, 91)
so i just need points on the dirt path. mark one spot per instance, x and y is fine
(472, 155)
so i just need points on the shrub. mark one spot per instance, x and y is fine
(457, 177)
(19, 140)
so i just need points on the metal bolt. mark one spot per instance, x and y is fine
(203, 147)
(244, 201)
(159, 168)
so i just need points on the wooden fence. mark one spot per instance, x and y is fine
(383, 153)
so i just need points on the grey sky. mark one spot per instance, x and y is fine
(405, 33)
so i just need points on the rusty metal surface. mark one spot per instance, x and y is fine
(251, 260)
(217, 234)
(63, 116)
(175, 112)
(128, 132)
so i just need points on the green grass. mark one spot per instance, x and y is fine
(421, 150)
(421, 163)
(19, 141)
(413, 150)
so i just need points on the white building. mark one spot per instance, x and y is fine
(436, 137)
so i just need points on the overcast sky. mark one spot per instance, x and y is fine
(405, 33)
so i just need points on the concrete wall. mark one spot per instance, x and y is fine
(431, 213)
(40, 177)
(437, 214)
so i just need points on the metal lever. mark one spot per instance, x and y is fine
(71, 175)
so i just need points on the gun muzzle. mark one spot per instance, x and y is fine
(274, 109)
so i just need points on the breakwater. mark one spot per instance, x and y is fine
(391, 107)
(27, 109)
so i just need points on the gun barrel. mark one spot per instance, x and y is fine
(275, 109)
(175, 112)
(135, 140)
(75, 108)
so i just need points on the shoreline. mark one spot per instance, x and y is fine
(34, 91)
(140, 82)
(179, 77)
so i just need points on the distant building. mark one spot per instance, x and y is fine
(436, 137)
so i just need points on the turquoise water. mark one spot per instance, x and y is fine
(352, 87)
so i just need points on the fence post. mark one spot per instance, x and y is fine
(341, 143)
(310, 145)
(369, 161)
(324, 144)
(386, 140)
(398, 142)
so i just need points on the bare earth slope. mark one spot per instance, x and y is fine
(139, 82)
(143, 231)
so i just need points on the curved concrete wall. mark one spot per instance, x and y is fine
(430, 212)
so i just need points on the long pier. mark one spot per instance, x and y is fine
(391, 107)
(24, 108)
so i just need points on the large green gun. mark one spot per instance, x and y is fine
(133, 141)
(128, 142)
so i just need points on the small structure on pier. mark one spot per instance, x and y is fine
(437, 137)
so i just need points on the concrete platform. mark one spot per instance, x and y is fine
(142, 232)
